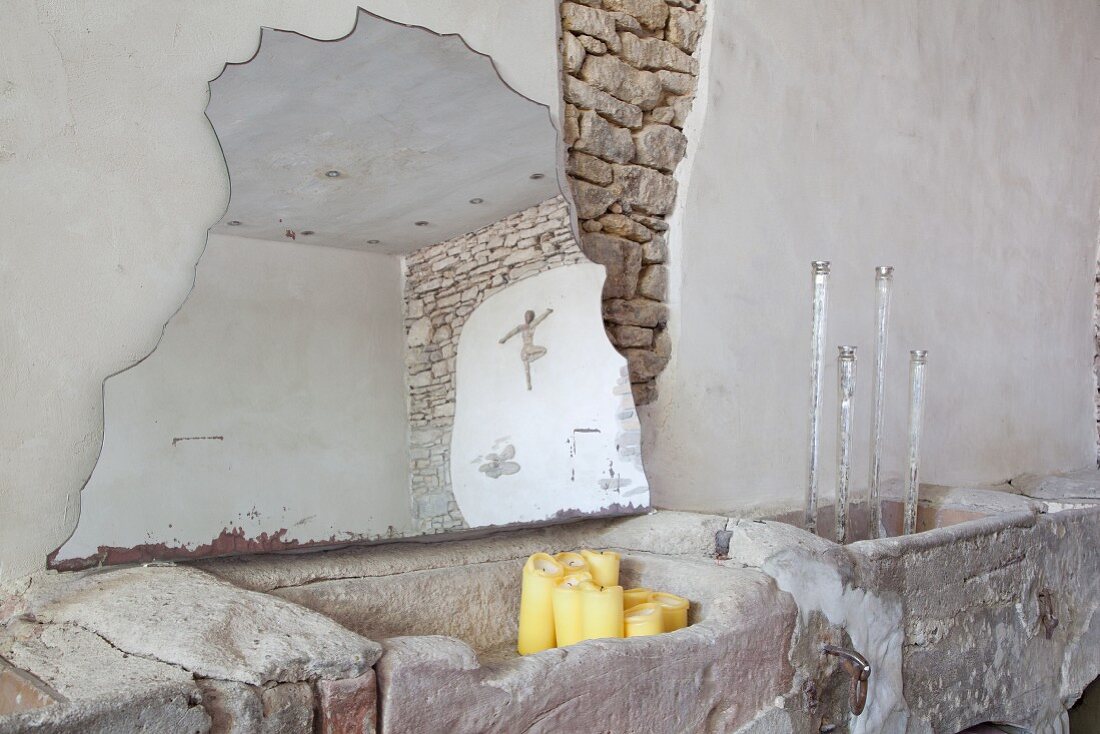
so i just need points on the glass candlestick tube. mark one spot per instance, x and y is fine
(917, 360)
(846, 387)
(820, 271)
(884, 280)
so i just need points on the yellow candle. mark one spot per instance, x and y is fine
(575, 579)
(572, 561)
(634, 597)
(541, 574)
(604, 566)
(643, 619)
(568, 617)
(602, 612)
(674, 610)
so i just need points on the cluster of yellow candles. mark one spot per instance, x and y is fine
(570, 597)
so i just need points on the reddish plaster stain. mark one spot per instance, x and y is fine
(229, 542)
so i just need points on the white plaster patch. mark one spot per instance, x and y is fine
(565, 430)
(873, 623)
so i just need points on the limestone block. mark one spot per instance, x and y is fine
(654, 223)
(593, 45)
(663, 115)
(631, 336)
(571, 125)
(622, 259)
(635, 312)
(655, 251)
(602, 139)
(348, 706)
(185, 617)
(234, 708)
(681, 106)
(588, 97)
(287, 709)
(676, 82)
(641, 88)
(684, 29)
(626, 22)
(591, 200)
(572, 53)
(623, 226)
(644, 364)
(590, 168)
(653, 54)
(653, 282)
(420, 332)
(659, 146)
(591, 22)
(652, 14)
(644, 188)
(643, 393)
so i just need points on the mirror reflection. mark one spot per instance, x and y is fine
(392, 332)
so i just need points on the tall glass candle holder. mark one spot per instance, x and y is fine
(820, 271)
(884, 281)
(917, 360)
(846, 387)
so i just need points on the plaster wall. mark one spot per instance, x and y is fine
(273, 403)
(955, 141)
(111, 176)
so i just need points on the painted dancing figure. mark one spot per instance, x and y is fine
(530, 351)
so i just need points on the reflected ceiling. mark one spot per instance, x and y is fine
(378, 141)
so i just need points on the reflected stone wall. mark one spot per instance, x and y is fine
(444, 283)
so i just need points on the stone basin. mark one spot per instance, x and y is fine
(988, 616)
(450, 664)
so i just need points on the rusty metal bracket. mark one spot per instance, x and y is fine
(859, 670)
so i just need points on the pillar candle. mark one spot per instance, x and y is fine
(643, 619)
(674, 610)
(604, 566)
(602, 612)
(568, 615)
(572, 561)
(541, 574)
(634, 597)
(575, 579)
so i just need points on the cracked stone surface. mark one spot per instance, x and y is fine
(104, 690)
(1080, 484)
(231, 633)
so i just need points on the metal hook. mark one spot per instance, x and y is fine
(859, 670)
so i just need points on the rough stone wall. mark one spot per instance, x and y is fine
(629, 83)
(444, 283)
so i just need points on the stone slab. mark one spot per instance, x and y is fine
(1079, 484)
(186, 617)
(100, 688)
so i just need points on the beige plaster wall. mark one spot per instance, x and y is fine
(111, 175)
(956, 141)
